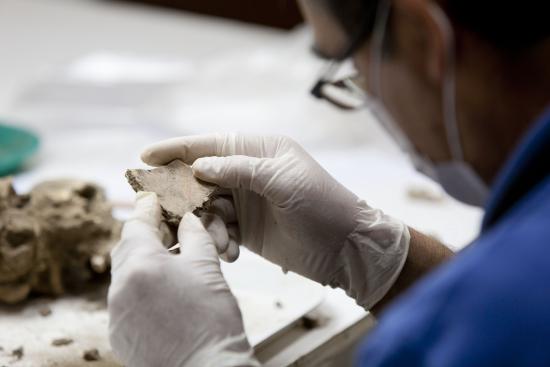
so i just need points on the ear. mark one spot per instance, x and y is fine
(422, 35)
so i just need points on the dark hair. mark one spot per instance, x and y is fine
(509, 25)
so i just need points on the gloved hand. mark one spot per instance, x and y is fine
(172, 310)
(288, 209)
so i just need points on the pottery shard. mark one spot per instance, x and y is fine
(178, 190)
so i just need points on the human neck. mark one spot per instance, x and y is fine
(504, 96)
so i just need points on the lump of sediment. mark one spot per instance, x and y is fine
(91, 355)
(49, 236)
(18, 353)
(178, 190)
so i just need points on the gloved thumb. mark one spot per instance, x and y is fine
(235, 172)
(140, 234)
(196, 243)
(146, 210)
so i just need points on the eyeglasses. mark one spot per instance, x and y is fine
(345, 93)
(348, 93)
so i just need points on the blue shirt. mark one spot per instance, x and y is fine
(490, 305)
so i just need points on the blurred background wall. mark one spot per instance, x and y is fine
(274, 13)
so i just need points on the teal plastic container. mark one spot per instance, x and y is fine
(16, 146)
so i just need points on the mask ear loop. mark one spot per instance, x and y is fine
(376, 48)
(449, 85)
(374, 80)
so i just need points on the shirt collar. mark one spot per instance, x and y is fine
(530, 164)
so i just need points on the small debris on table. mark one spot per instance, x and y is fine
(278, 304)
(62, 341)
(45, 311)
(18, 353)
(91, 355)
(424, 193)
(309, 323)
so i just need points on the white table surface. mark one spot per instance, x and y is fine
(241, 78)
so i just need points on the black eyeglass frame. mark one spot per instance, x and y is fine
(334, 63)
(348, 85)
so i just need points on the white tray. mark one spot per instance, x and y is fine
(270, 302)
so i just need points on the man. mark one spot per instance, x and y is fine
(463, 87)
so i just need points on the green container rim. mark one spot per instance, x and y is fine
(14, 153)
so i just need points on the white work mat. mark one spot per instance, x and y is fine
(270, 302)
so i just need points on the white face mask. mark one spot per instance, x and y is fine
(456, 177)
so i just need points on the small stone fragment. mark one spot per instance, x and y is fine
(18, 353)
(62, 341)
(91, 355)
(99, 263)
(309, 323)
(178, 190)
(45, 311)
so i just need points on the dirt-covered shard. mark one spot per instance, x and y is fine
(53, 239)
(178, 190)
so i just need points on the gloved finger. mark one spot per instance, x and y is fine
(236, 172)
(221, 192)
(146, 210)
(196, 242)
(186, 148)
(190, 148)
(232, 252)
(234, 232)
(140, 233)
(225, 208)
(217, 230)
(233, 247)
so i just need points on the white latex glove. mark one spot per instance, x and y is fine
(288, 209)
(172, 310)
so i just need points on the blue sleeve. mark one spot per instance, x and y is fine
(490, 306)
